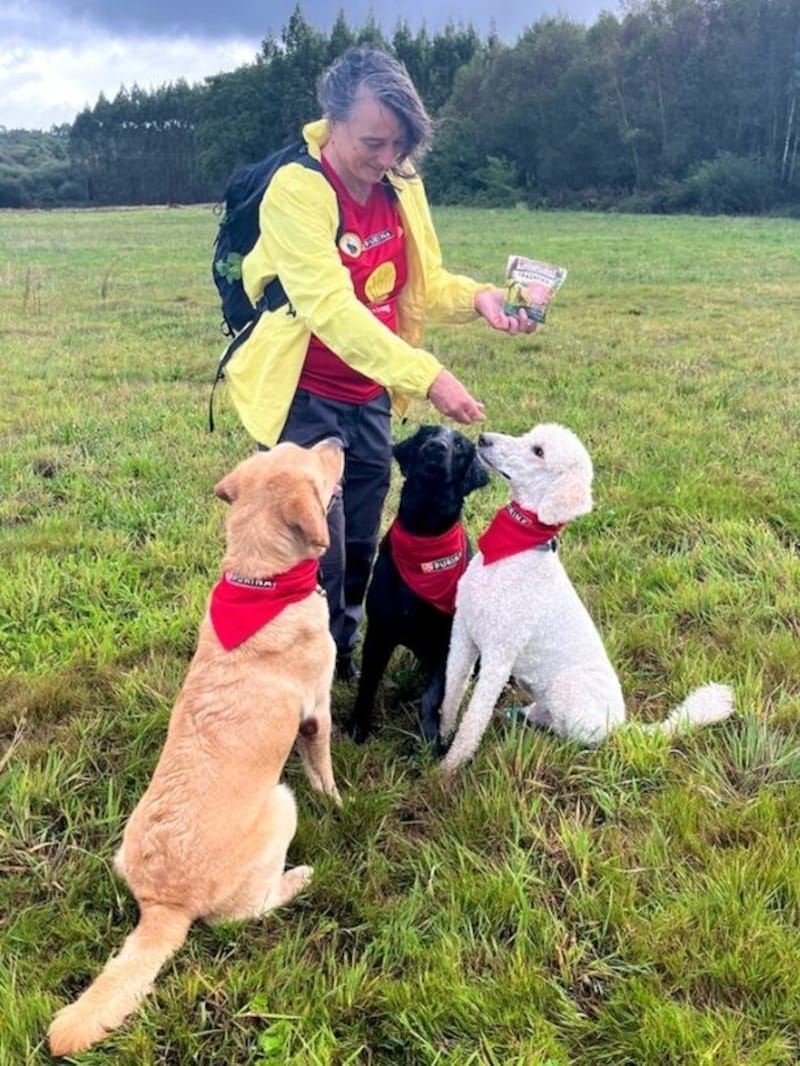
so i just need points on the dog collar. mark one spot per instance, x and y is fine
(240, 606)
(431, 566)
(514, 529)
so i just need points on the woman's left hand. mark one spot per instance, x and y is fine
(489, 304)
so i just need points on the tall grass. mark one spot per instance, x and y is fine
(637, 904)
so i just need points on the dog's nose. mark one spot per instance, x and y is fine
(434, 454)
(436, 444)
(483, 440)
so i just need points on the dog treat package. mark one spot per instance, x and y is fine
(530, 286)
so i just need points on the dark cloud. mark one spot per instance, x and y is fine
(203, 18)
(244, 19)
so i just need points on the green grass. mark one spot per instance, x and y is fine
(637, 905)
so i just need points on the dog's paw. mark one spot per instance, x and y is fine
(359, 730)
(296, 879)
(448, 766)
(448, 778)
(429, 728)
(346, 669)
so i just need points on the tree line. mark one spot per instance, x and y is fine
(677, 105)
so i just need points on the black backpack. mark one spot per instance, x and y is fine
(236, 236)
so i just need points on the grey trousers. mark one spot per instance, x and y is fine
(354, 519)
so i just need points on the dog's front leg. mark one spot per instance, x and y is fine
(491, 680)
(461, 659)
(429, 705)
(314, 745)
(378, 648)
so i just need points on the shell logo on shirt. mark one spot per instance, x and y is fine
(351, 244)
(380, 282)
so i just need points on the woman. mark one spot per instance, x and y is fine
(358, 258)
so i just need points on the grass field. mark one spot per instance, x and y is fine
(638, 904)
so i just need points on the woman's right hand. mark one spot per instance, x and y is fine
(449, 396)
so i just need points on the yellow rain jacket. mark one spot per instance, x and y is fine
(298, 220)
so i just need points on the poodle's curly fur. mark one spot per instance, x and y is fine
(522, 617)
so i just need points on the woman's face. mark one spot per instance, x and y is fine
(368, 144)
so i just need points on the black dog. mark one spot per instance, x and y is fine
(411, 596)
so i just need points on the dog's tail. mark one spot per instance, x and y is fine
(707, 704)
(126, 979)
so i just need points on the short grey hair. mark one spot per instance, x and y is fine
(372, 70)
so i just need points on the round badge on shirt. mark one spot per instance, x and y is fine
(351, 244)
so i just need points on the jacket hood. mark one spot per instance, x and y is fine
(315, 134)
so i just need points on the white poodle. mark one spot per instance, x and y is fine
(516, 609)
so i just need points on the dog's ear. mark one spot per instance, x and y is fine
(305, 515)
(404, 453)
(569, 495)
(477, 476)
(228, 488)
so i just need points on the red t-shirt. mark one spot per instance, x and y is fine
(372, 247)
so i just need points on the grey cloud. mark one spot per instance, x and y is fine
(151, 18)
(245, 19)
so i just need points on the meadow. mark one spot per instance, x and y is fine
(633, 905)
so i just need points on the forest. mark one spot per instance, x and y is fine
(673, 106)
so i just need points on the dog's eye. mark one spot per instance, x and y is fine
(538, 451)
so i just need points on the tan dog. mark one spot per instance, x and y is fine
(209, 837)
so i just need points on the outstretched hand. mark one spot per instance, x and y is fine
(449, 396)
(489, 304)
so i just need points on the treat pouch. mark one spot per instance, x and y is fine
(531, 285)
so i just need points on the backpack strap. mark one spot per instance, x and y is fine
(224, 359)
(274, 295)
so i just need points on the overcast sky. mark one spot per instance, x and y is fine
(57, 56)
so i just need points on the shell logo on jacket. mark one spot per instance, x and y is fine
(381, 282)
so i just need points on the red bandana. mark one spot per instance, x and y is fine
(514, 530)
(241, 606)
(431, 566)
